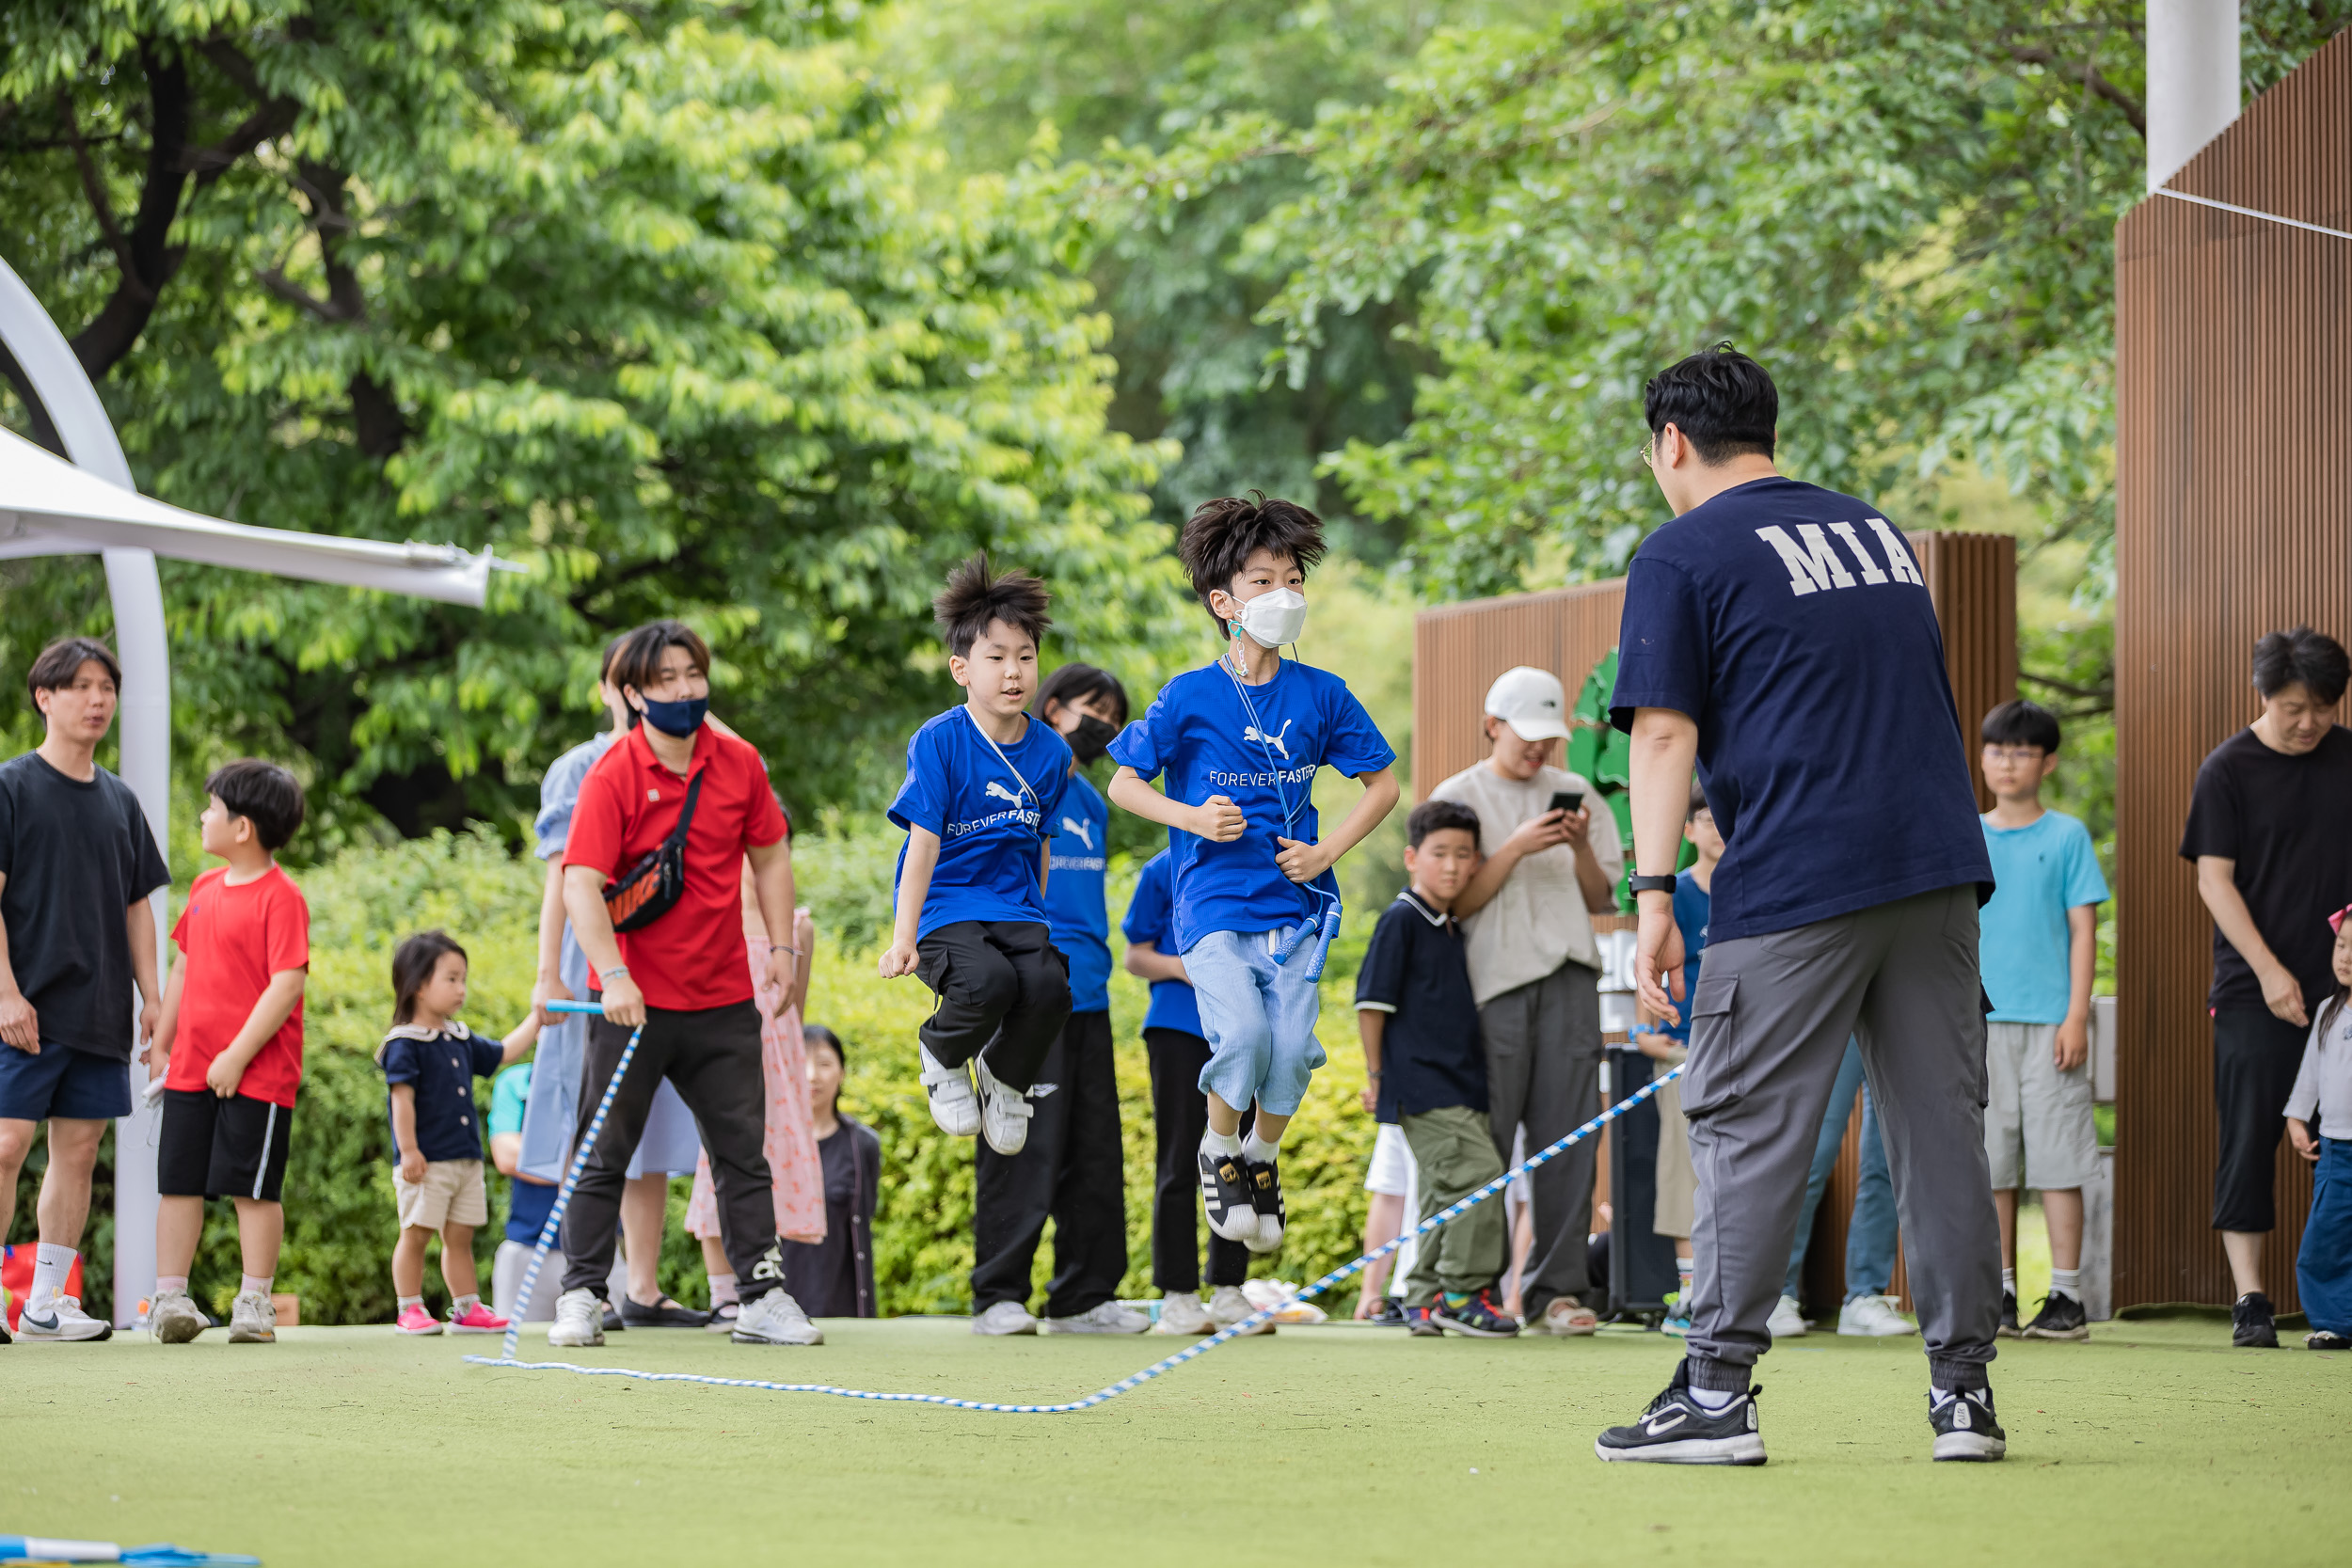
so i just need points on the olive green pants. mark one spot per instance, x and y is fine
(1454, 1152)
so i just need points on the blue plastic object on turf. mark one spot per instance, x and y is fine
(1158, 1369)
(38, 1548)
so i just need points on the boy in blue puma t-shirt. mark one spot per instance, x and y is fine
(983, 781)
(1239, 743)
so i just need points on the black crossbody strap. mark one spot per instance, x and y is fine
(686, 818)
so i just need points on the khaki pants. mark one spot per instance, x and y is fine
(1455, 1157)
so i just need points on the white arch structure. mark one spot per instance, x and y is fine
(89, 505)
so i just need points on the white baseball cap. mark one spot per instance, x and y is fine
(1532, 701)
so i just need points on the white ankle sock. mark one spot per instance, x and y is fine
(1713, 1400)
(1215, 1142)
(1257, 1151)
(2067, 1283)
(254, 1284)
(51, 1264)
(722, 1291)
(2008, 1282)
(171, 1282)
(406, 1302)
(463, 1305)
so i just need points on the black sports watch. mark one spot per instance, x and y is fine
(1650, 884)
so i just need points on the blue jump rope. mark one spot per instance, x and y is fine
(1224, 1335)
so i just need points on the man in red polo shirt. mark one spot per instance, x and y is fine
(684, 976)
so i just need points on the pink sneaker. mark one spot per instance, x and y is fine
(478, 1320)
(416, 1320)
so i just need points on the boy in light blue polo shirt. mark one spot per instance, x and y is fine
(1239, 743)
(2036, 951)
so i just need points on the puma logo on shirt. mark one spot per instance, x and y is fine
(1001, 793)
(1251, 732)
(1816, 564)
(1085, 833)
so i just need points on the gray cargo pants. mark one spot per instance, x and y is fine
(1769, 1027)
(1543, 1071)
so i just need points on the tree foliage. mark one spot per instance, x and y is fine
(663, 301)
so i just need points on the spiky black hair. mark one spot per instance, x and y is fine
(1223, 535)
(975, 597)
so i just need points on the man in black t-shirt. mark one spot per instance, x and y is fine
(2274, 859)
(77, 862)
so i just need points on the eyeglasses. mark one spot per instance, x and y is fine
(1647, 451)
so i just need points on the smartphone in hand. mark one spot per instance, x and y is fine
(1566, 800)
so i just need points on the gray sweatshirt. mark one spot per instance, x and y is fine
(2325, 1082)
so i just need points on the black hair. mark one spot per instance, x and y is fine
(1436, 816)
(264, 794)
(1222, 534)
(1075, 683)
(612, 651)
(2022, 723)
(1698, 803)
(1722, 401)
(2302, 656)
(413, 962)
(635, 659)
(975, 596)
(817, 1034)
(59, 662)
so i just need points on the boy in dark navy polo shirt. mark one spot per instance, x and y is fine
(1426, 1066)
(983, 779)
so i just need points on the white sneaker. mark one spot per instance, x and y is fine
(775, 1319)
(59, 1317)
(253, 1320)
(1181, 1312)
(1788, 1321)
(1109, 1318)
(1004, 1111)
(1872, 1318)
(579, 1321)
(172, 1318)
(954, 1107)
(1227, 1307)
(1006, 1317)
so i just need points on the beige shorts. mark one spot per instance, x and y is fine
(2038, 1132)
(452, 1193)
(1677, 1181)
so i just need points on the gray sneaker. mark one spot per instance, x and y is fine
(253, 1320)
(1006, 1317)
(775, 1319)
(1227, 1307)
(1181, 1312)
(1109, 1318)
(173, 1319)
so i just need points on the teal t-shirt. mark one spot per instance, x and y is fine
(509, 1092)
(2039, 873)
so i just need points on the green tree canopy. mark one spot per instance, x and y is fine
(653, 299)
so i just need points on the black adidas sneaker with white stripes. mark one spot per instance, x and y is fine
(1225, 1197)
(1677, 1430)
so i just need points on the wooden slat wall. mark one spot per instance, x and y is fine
(2234, 517)
(1459, 649)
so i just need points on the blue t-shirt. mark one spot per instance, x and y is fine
(1691, 906)
(1075, 906)
(989, 816)
(442, 1067)
(1793, 625)
(2022, 946)
(1259, 750)
(1151, 917)
(510, 1095)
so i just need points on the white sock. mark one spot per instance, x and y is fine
(254, 1284)
(1713, 1400)
(171, 1282)
(1215, 1142)
(722, 1291)
(1682, 1270)
(2008, 1282)
(1258, 1151)
(2067, 1283)
(463, 1305)
(51, 1264)
(406, 1302)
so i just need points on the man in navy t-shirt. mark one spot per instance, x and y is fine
(1071, 1168)
(983, 779)
(1781, 637)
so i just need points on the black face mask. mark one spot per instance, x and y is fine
(1091, 739)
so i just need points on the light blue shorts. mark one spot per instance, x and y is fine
(1259, 1015)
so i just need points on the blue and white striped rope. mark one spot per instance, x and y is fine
(1135, 1380)
(571, 1178)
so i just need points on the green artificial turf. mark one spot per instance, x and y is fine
(2156, 1442)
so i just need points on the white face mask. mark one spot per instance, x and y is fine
(1275, 617)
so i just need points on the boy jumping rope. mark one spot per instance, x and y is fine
(983, 779)
(1239, 743)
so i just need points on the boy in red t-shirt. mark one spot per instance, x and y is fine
(229, 1051)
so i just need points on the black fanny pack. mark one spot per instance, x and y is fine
(651, 887)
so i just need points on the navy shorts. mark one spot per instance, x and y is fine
(62, 1081)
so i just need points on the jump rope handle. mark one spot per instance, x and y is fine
(1322, 943)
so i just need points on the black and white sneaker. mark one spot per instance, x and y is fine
(2251, 1324)
(1265, 1196)
(1225, 1197)
(1677, 1430)
(2061, 1318)
(2009, 1329)
(2326, 1339)
(1963, 1423)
